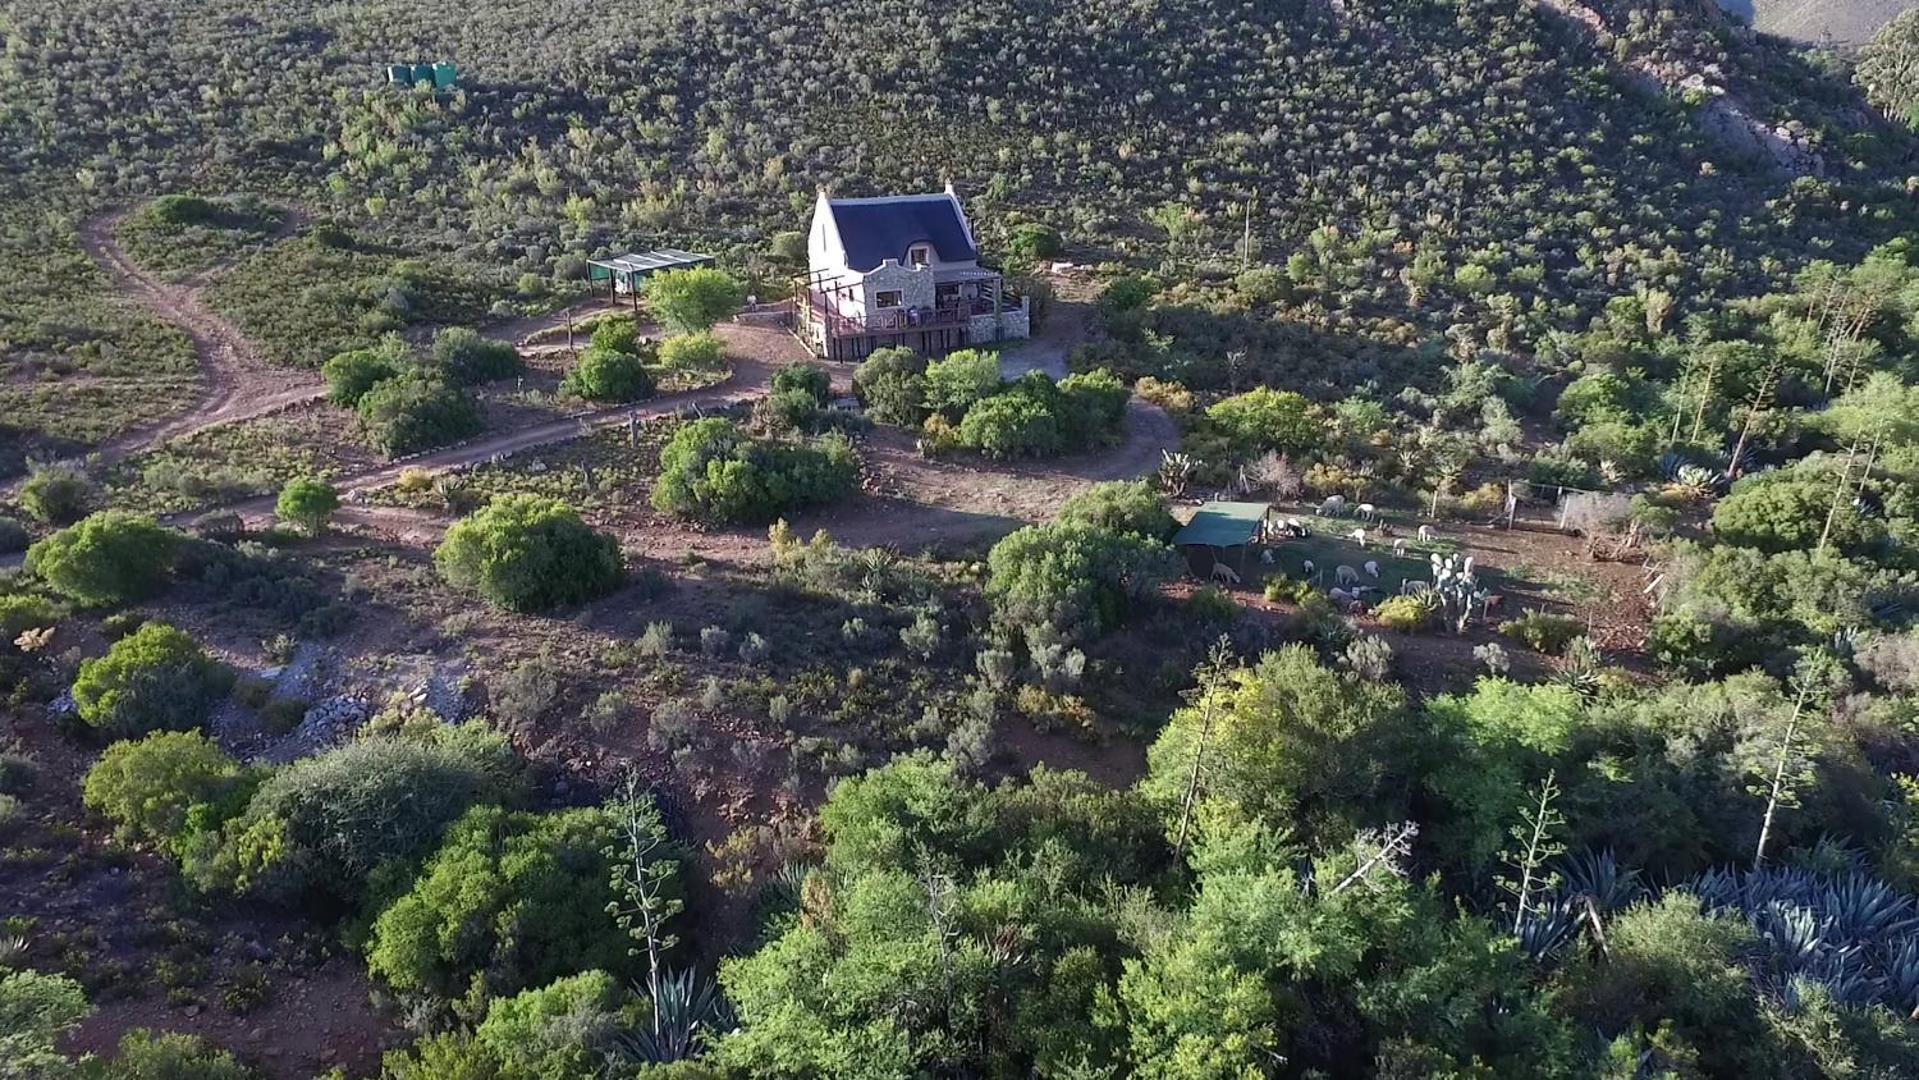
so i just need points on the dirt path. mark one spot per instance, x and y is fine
(238, 383)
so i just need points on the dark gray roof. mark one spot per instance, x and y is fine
(874, 230)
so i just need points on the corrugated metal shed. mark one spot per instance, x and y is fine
(1223, 525)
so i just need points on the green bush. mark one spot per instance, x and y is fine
(154, 679)
(1094, 408)
(561, 1031)
(527, 553)
(702, 351)
(1033, 241)
(609, 376)
(713, 471)
(307, 502)
(1080, 579)
(468, 358)
(1778, 511)
(1265, 419)
(55, 494)
(1122, 506)
(891, 383)
(802, 377)
(688, 301)
(324, 825)
(1543, 631)
(511, 900)
(349, 375)
(112, 557)
(164, 786)
(1407, 614)
(959, 380)
(416, 411)
(148, 1055)
(1018, 423)
(21, 612)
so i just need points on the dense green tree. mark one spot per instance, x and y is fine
(892, 384)
(609, 376)
(1078, 578)
(349, 375)
(1265, 419)
(154, 679)
(36, 1011)
(1784, 511)
(1122, 506)
(112, 557)
(689, 301)
(528, 553)
(1014, 424)
(415, 411)
(701, 351)
(804, 378)
(307, 502)
(166, 785)
(468, 358)
(511, 900)
(959, 380)
(1889, 67)
(713, 471)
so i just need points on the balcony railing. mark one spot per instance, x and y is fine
(947, 314)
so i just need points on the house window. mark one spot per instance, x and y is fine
(919, 255)
(889, 298)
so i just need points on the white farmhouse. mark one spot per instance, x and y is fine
(901, 270)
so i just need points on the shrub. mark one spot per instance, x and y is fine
(162, 787)
(1266, 419)
(510, 900)
(701, 351)
(688, 301)
(1128, 293)
(155, 678)
(147, 1055)
(1778, 511)
(609, 376)
(13, 536)
(112, 557)
(804, 378)
(466, 357)
(1543, 631)
(1406, 614)
(959, 380)
(307, 502)
(349, 375)
(1094, 408)
(1078, 578)
(416, 411)
(1122, 506)
(891, 383)
(1014, 424)
(55, 494)
(527, 553)
(712, 471)
(21, 612)
(324, 824)
(1032, 240)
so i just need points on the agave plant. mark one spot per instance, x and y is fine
(13, 949)
(1550, 927)
(1597, 876)
(687, 1010)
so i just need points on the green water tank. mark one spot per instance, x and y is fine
(423, 73)
(444, 76)
(399, 73)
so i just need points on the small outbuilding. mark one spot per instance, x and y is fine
(1221, 534)
(622, 274)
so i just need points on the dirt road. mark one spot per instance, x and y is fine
(237, 381)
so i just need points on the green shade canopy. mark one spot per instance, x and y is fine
(1223, 524)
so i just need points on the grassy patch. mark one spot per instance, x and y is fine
(234, 461)
(180, 234)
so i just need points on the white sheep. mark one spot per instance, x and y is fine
(1340, 596)
(1307, 568)
(1334, 506)
(1372, 568)
(1366, 512)
(1222, 572)
(1345, 575)
(1399, 548)
(1425, 534)
(1266, 556)
(1358, 536)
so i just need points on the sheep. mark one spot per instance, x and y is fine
(1366, 512)
(1307, 568)
(1372, 568)
(1222, 572)
(1399, 548)
(1345, 575)
(1425, 534)
(1334, 506)
(1340, 596)
(1266, 556)
(1358, 536)
(1296, 528)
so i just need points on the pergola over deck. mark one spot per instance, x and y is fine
(1218, 528)
(625, 272)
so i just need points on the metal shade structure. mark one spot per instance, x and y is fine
(627, 271)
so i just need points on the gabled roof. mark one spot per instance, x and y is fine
(875, 230)
(645, 262)
(1223, 524)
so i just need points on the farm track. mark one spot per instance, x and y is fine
(238, 383)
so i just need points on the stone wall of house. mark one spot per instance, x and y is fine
(1005, 326)
(915, 286)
